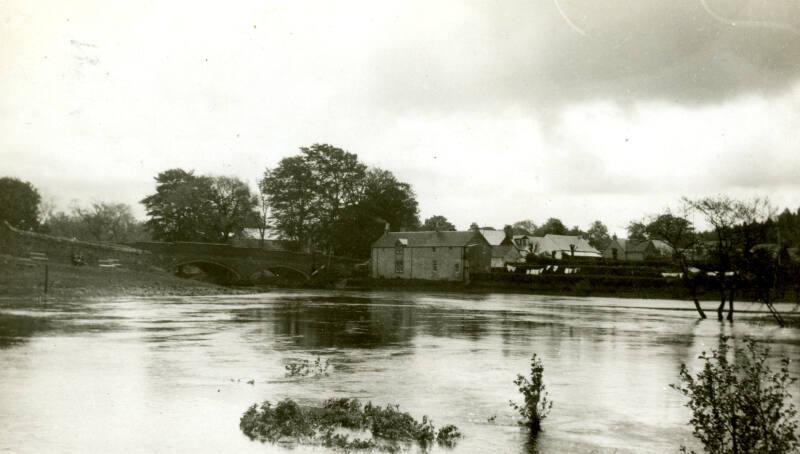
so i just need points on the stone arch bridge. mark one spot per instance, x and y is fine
(225, 263)
(245, 264)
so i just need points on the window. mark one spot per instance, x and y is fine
(435, 266)
(457, 267)
(434, 249)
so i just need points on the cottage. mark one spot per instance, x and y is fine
(440, 256)
(563, 246)
(504, 249)
(637, 251)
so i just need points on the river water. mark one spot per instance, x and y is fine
(171, 374)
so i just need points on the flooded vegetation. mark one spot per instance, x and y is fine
(388, 428)
(99, 375)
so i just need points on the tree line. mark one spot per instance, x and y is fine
(323, 198)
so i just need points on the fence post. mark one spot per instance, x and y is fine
(46, 276)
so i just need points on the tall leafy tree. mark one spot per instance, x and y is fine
(637, 231)
(598, 235)
(338, 183)
(437, 222)
(385, 201)
(233, 206)
(179, 208)
(188, 207)
(291, 191)
(525, 227)
(553, 226)
(19, 203)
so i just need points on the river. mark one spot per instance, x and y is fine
(174, 374)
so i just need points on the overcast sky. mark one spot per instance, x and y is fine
(493, 111)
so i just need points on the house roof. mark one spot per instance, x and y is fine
(622, 243)
(429, 239)
(637, 246)
(563, 242)
(494, 237)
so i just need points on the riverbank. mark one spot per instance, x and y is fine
(25, 278)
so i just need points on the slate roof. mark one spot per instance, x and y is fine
(429, 239)
(562, 242)
(637, 246)
(494, 237)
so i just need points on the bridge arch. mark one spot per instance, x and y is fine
(210, 267)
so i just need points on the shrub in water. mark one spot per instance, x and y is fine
(448, 435)
(305, 368)
(535, 406)
(285, 419)
(317, 425)
(741, 406)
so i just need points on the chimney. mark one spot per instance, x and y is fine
(386, 227)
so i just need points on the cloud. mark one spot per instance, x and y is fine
(549, 54)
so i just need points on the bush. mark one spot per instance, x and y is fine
(536, 405)
(387, 426)
(305, 368)
(741, 406)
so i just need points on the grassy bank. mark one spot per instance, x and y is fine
(23, 278)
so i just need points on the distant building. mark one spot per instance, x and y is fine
(523, 242)
(562, 246)
(637, 251)
(505, 253)
(504, 249)
(439, 256)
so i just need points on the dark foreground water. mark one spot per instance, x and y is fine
(170, 374)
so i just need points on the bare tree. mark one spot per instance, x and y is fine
(733, 222)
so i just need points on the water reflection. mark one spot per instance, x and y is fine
(15, 329)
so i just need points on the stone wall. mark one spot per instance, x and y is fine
(20, 243)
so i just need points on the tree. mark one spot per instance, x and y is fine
(553, 226)
(260, 217)
(509, 232)
(308, 193)
(233, 206)
(733, 222)
(526, 227)
(19, 203)
(102, 221)
(678, 232)
(290, 190)
(598, 235)
(741, 405)
(385, 201)
(188, 207)
(181, 208)
(438, 223)
(108, 221)
(637, 231)
(338, 183)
